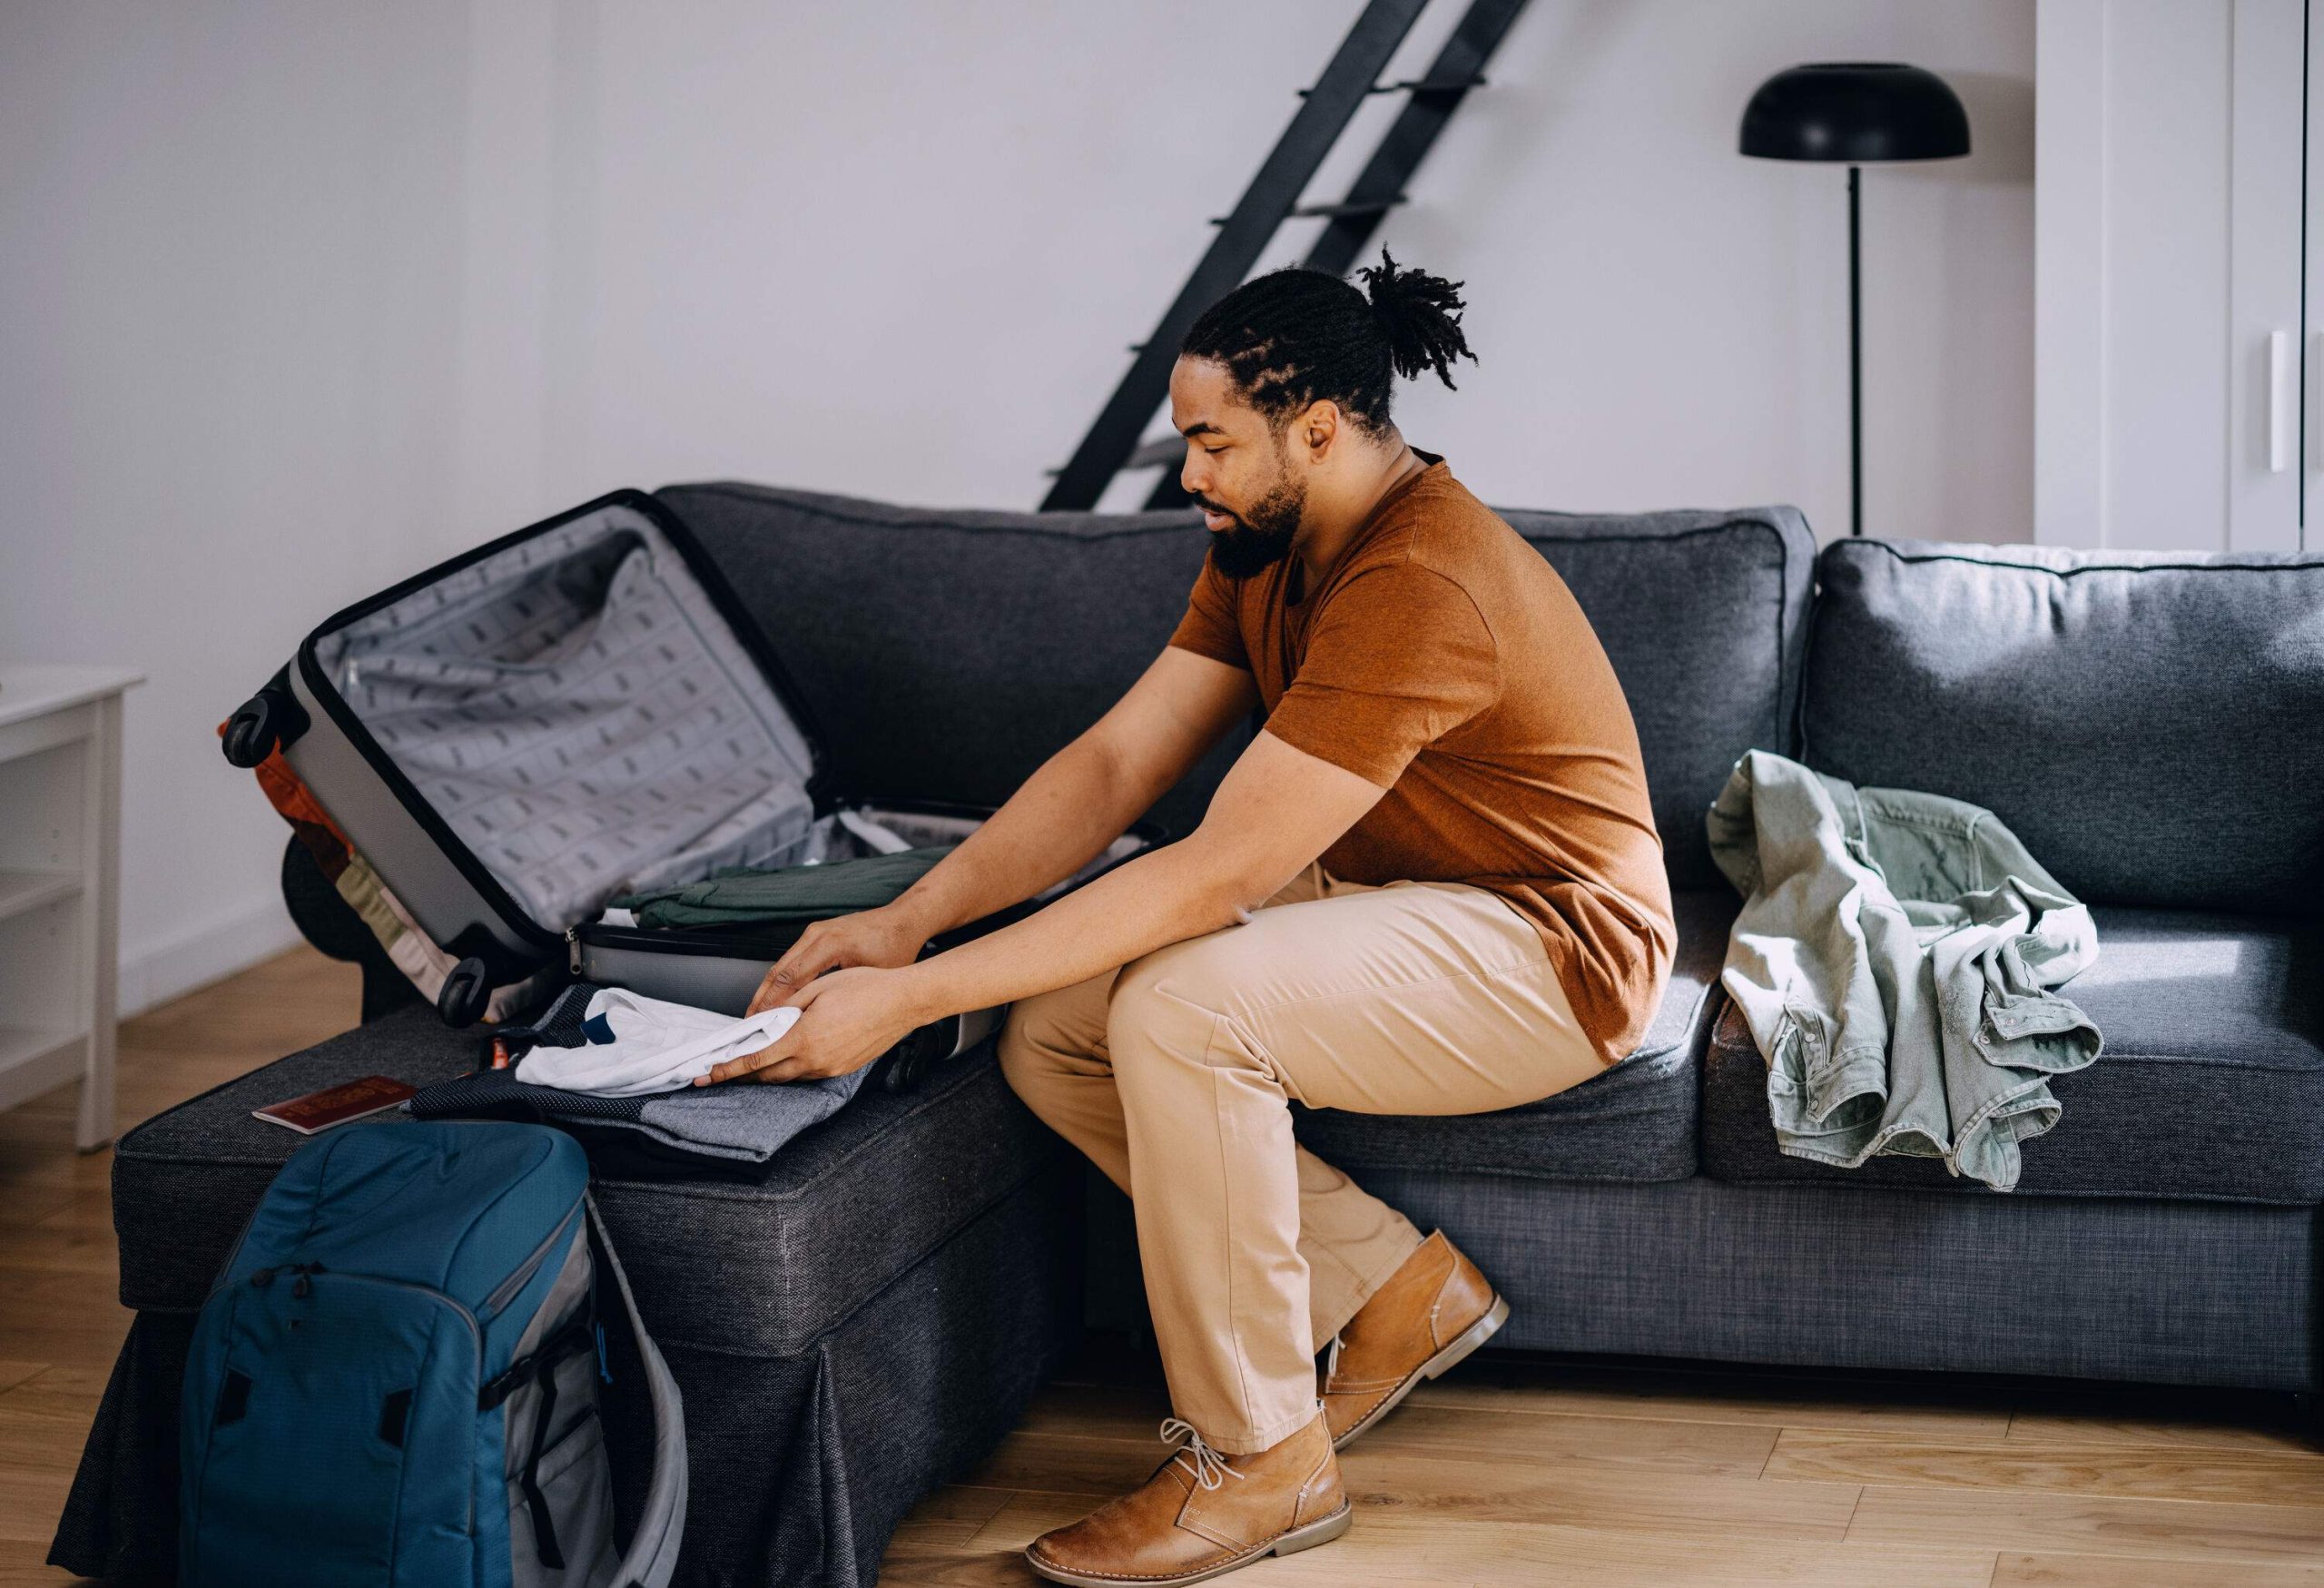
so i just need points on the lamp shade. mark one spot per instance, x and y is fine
(1861, 111)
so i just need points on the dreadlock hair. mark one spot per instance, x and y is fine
(1295, 337)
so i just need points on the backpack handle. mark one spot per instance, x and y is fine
(653, 1555)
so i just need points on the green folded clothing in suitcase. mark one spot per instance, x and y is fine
(740, 896)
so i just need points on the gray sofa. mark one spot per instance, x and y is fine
(2153, 729)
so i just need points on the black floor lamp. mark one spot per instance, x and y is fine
(1866, 114)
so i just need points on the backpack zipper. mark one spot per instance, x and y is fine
(506, 1291)
(302, 1288)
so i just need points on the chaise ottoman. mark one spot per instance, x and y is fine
(860, 1327)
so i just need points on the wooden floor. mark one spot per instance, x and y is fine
(1510, 1471)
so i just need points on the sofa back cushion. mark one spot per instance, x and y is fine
(1704, 616)
(2152, 725)
(945, 653)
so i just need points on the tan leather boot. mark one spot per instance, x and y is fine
(1203, 1514)
(1433, 1312)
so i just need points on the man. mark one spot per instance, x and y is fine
(1430, 885)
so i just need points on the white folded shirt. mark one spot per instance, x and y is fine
(638, 1044)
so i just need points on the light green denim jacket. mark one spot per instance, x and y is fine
(1895, 959)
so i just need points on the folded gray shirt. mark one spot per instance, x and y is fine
(1895, 959)
(739, 1126)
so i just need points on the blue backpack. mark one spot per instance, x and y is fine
(394, 1383)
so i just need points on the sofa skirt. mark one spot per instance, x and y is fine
(1871, 1279)
(2110, 1289)
(806, 1464)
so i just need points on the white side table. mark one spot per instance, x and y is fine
(59, 884)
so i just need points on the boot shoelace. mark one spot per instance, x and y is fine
(1207, 1464)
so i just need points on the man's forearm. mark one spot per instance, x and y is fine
(1181, 891)
(1277, 809)
(1061, 818)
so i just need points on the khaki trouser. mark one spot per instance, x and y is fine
(1172, 1074)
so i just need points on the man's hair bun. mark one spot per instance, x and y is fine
(1421, 315)
(1293, 337)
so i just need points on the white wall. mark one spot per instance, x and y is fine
(300, 298)
(227, 335)
(1661, 322)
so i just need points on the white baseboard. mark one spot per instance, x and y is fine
(205, 953)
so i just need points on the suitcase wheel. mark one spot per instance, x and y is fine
(910, 1060)
(464, 993)
(251, 732)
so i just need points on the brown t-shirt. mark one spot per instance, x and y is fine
(1443, 659)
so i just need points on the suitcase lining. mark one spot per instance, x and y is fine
(578, 711)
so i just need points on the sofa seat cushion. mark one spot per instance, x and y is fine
(758, 1268)
(2211, 1086)
(1636, 1121)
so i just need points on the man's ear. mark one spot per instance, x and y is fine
(1318, 429)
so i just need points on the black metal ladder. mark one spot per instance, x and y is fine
(1272, 198)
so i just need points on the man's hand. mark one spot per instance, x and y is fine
(847, 1019)
(882, 937)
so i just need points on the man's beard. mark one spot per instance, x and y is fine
(1257, 542)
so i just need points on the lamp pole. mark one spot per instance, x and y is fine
(1856, 369)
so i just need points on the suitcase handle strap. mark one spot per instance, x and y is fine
(653, 1554)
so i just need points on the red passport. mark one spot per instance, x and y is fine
(320, 1110)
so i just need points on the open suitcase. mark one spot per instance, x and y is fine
(573, 711)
